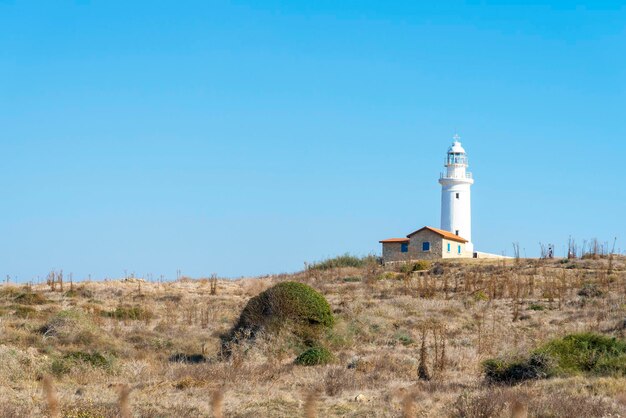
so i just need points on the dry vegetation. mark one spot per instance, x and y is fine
(408, 342)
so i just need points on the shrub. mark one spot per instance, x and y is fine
(80, 291)
(536, 307)
(93, 359)
(7, 292)
(187, 358)
(314, 356)
(65, 364)
(420, 265)
(588, 353)
(71, 327)
(60, 367)
(470, 405)
(30, 298)
(23, 296)
(22, 311)
(585, 353)
(480, 296)
(389, 275)
(537, 366)
(345, 260)
(404, 338)
(286, 305)
(437, 270)
(286, 301)
(590, 290)
(130, 312)
(554, 404)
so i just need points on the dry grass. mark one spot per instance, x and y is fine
(52, 403)
(217, 399)
(124, 402)
(310, 404)
(99, 339)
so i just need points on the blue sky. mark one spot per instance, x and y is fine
(245, 138)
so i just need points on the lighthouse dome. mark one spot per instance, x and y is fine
(456, 148)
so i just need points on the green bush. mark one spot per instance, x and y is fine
(584, 353)
(72, 327)
(130, 312)
(288, 305)
(65, 364)
(588, 353)
(420, 265)
(537, 366)
(314, 356)
(93, 359)
(60, 367)
(404, 338)
(292, 301)
(345, 260)
(480, 295)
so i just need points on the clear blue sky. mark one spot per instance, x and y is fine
(246, 137)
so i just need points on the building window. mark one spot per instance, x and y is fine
(404, 247)
(459, 249)
(449, 247)
(456, 232)
(457, 195)
(425, 246)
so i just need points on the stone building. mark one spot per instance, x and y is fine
(425, 244)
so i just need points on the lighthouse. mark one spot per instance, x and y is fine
(456, 211)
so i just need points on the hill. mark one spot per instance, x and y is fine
(409, 341)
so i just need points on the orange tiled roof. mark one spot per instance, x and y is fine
(446, 234)
(394, 240)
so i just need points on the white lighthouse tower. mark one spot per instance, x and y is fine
(456, 211)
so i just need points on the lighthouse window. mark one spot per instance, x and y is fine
(425, 246)
(404, 248)
(457, 195)
(456, 232)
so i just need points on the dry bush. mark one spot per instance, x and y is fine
(213, 283)
(9, 408)
(71, 327)
(338, 379)
(166, 409)
(496, 401)
(564, 406)
(89, 408)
